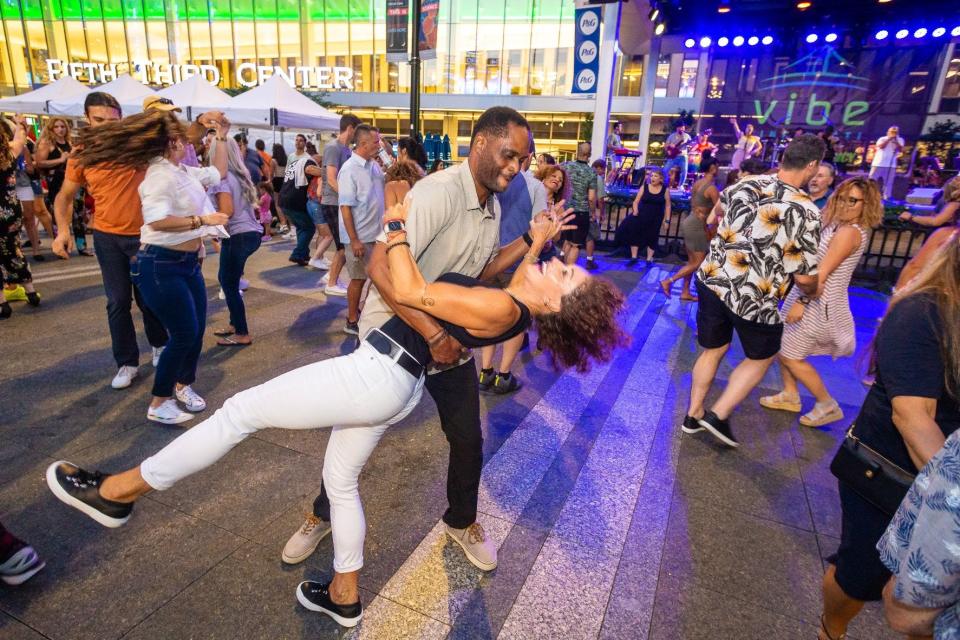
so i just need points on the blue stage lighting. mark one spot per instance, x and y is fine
(939, 31)
(881, 35)
(705, 42)
(737, 41)
(955, 32)
(689, 43)
(753, 41)
(830, 37)
(767, 40)
(919, 33)
(722, 42)
(811, 38)
(903, 33)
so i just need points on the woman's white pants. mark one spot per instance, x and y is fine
(359, 395)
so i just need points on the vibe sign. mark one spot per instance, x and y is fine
(247, 73)
(817, 115)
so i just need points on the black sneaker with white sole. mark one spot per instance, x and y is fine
(690, 425)
(81, 490)
(719, 429)
(316, 597)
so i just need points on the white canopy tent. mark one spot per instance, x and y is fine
(276, 104)
(195, 95)
(66, 88)
(126, 89)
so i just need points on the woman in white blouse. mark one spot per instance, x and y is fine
(177, 214)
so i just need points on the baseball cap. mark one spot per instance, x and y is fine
(159, 103)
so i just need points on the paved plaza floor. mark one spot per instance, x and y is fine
(610, 524)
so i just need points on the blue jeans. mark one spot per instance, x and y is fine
(172, 286)
(305, 231)
(234, 252)
(679, 161)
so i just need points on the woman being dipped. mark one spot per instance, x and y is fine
(177, 214)
(371, 388)
(703, 198)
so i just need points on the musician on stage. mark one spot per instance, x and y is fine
(748, 145)
(677, 151)
(614, 144)
(702, 149)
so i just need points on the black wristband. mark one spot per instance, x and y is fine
(527, 238)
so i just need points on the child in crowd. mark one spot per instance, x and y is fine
(265, 209)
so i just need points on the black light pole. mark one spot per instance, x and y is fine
(415, 71)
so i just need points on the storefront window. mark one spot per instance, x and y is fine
(663, 76)
(950, 99)
(688, 78)
(630, 76)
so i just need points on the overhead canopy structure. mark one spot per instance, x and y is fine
(195, 95)
(66, 88)
(276, 103)
(126, 89)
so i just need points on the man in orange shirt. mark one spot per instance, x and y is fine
(267, 159)
(116, 235)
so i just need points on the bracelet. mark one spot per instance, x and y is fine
(195, 222)
(531, 258)
(403, 243)
(437, 338)
(528, 238)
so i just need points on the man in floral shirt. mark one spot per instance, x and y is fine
(921, 547)
(766, 242)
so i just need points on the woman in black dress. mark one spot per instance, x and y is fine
(642, 227)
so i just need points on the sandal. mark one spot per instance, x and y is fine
(781, 402)
(224, 332)
(230, 342)
(821, 415)
(823, 627)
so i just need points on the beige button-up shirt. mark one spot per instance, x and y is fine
(448, 231)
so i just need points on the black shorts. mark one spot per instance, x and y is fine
(860, 572)
(578, 236)
(716, 324)
(331, 213)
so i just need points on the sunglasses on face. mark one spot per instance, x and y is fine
(163, 101)
(850, 200)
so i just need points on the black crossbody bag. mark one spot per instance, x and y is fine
(876, 479)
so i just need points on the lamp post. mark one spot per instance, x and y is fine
(415, 71)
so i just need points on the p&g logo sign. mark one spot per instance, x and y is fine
(589, 22)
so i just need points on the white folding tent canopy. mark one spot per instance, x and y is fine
(126, 89)
(66, 88)
(276, 104)
(195, 95)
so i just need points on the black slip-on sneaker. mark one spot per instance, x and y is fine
(719, 429)
(316, 597)
(81, 490)
(690, 425)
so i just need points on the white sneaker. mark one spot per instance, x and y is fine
(479, 549)
(124, 377)
(222, 296)
(244, 284)
(190, 399)
(304, 542)
(290, 235)
(323, 264)
(324, 280)
(335, 290)
(168, 413)
(156, 354)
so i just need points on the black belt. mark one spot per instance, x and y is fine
(379, 341)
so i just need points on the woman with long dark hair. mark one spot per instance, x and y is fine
(13, 265)
(177, 215)
(909, 411)
(371, 388)
(279, 169)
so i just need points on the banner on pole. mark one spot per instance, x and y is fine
(398, 19)
(586, 50)
(429, 11)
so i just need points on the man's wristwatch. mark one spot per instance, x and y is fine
(393, 226)
(804, 299)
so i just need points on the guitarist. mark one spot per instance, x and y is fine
(676, 150)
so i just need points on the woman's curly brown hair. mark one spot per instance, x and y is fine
(405, 170)
(132, 141)
(586, 326)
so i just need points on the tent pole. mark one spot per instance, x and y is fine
(415, 71)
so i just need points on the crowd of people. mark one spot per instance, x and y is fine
(470, 257)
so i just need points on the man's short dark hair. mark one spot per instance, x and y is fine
(362, 131)
(599, 163)
(300, 135)
(101, 99)
(348, 120)
(803, 150)
(260, 145)
(241, 139)
(496, 120)
(754, 166)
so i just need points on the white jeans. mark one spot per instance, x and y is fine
(361, 393)
(887, 175)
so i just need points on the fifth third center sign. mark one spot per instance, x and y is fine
(586, 63)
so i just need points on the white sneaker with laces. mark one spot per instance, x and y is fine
(124, 377)
(335, 290)
(304, 542)
(290, 235)
(190, 399)
(244, 284)
(322, 264)
(479, 549)
(156, 351)
(168, 413)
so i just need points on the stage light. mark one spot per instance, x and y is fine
(724, 6)
(830, 37)
(803, 5)
(939, 31)
(660, 28)
(900, 35)
(919, 33)
(955, 32)
(654, 13)
(689, 43)
(767, 40)
(724, 41)
(881, 35)
(811, 38)
(705, 42)
(737, 41)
